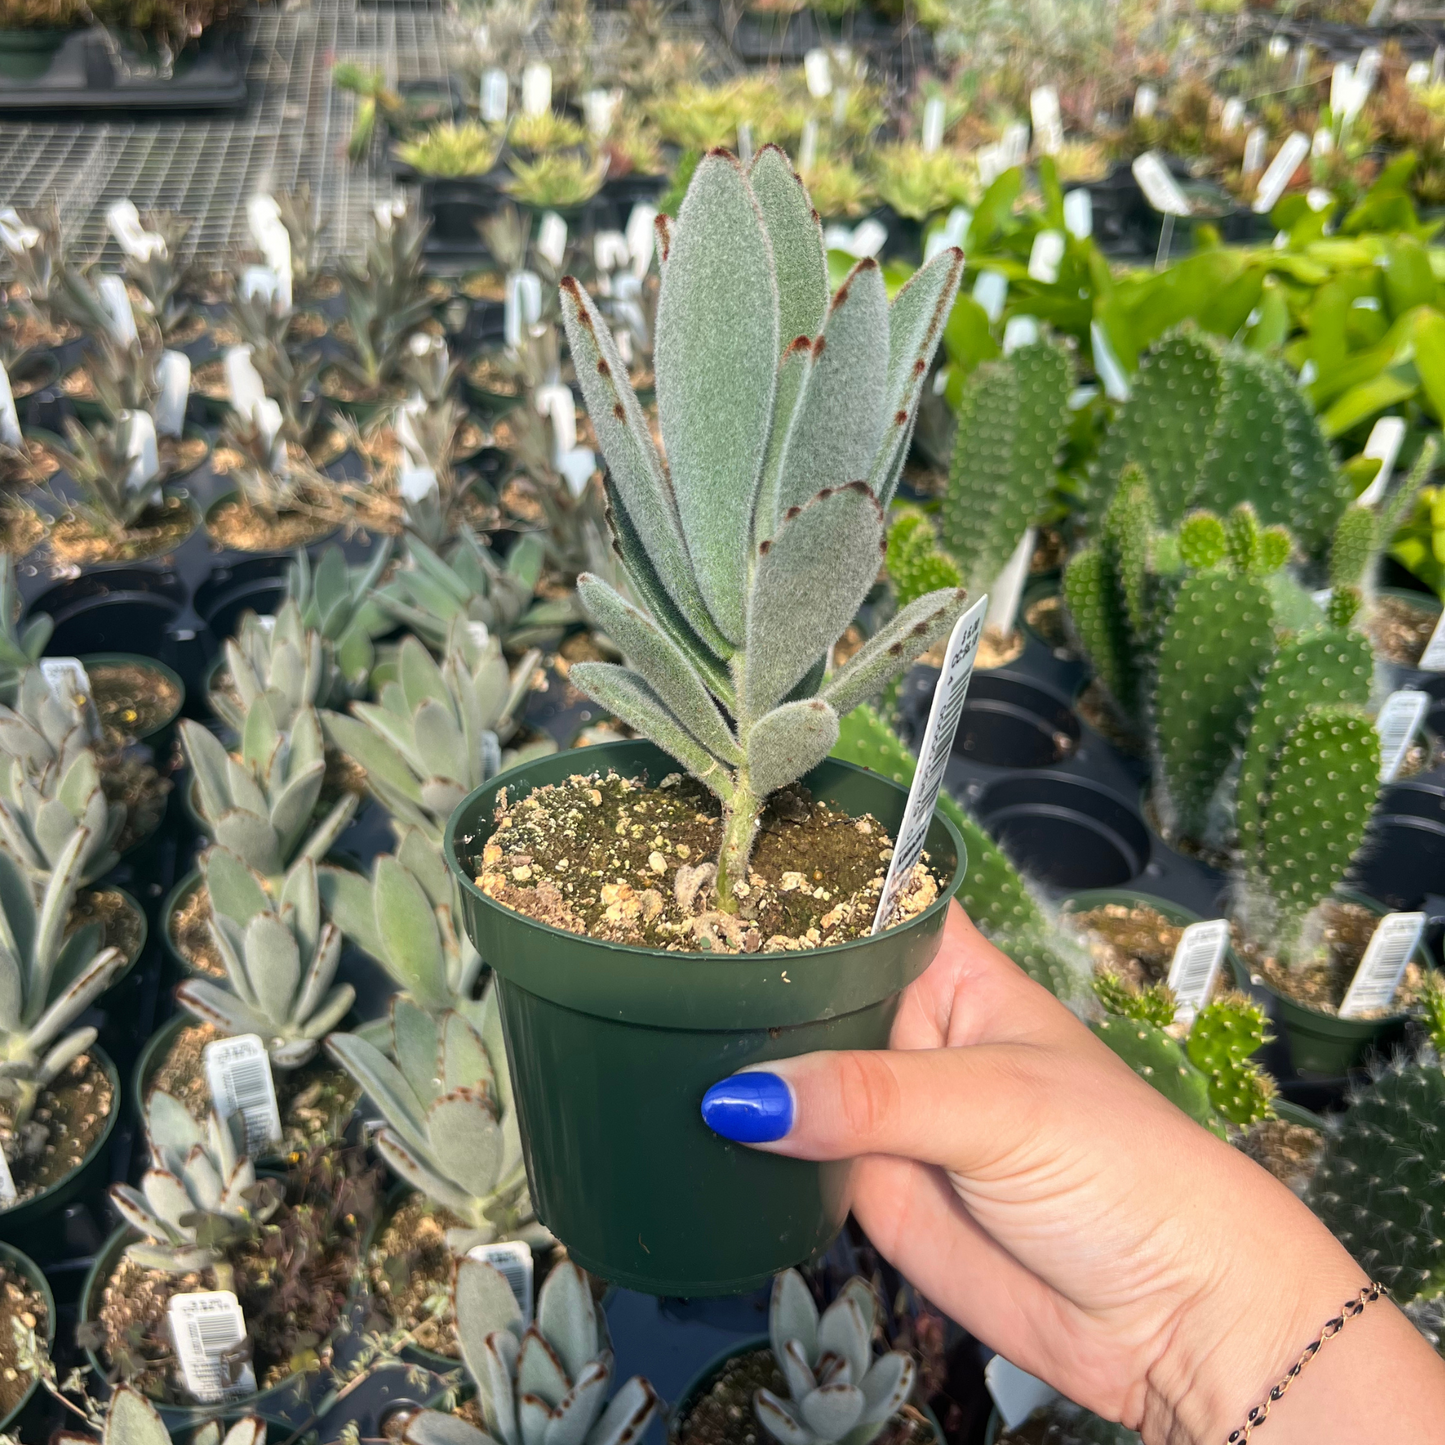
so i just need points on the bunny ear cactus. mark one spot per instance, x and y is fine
(200, 1195)
(46, 980)
(451, 1127)
(1161, 1061)
(277, 656)
(280, 960)
(338, 602)
(1222, 1040)
(20, 647)
(437, 730)
(785, 420)
(915, 562)
(260, 806)
(406, 916)
(838, 1390)
(1012, 424)
(546, 1385)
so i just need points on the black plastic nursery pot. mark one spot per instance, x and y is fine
(157, 736)
(1011, 721)
(245, 584)
(612, 1047)
(1402, 674)
(1403, 860)
(31, 1219)
(114, 610)
(23, 1264)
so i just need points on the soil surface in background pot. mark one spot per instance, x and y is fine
(1094, 707)
(1291, 1152)
(238, 524)
(190, 930)
(1046, 617)
(617, 859)
(724, 1415)
(292, 1280)
(132, 700)
(120, 925)
(1400, 630)
(1321, 982)
(487, 374)
(160, 528)
(129, 780)
(21, 529)
(1134, 942)
(70, 1115)
(314, 1101)
(995, 649)
(19, 1301)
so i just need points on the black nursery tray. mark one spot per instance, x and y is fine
(83, 74)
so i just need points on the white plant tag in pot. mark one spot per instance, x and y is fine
(1146, 102)
(1433, 657)
(8, 1193)
(1008, 587)
(1048, 123)
(1384, 447)
(117, 303)
(173, 375)
(9, 418)
(513, 1261)
(990, 290)
(1018, 331)
(1045, 255)
(934, 115)
(1399, 719)
(1079, 214)
(69, 685)
(1286, 162)
(1254, 147)
(1377, 979)
(808, 146)
(1160, 188)
(943, 716)
(552, 239)
(537, 88)
(238, 1072)
(1232, 116)
(1195, 965)
(494, 96)
(1016, 1394)
(206, 1327)
(818, 73)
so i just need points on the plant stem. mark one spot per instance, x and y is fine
(740, 827)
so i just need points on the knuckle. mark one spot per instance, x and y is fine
(868, 1094)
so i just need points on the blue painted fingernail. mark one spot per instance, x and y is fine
(750, 1108)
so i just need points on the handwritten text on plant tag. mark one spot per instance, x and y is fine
(1398, 721)
(948, 699)
(239, 1074)
(513, 1261)
(206, 1327)
(1377, 979)
(1195, 965)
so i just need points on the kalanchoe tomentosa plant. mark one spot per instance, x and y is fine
(451, 1127)
(542, 1386)
(785, 419)
(131, 1419)
(837, 1389)
(277, 657)
(20, 647)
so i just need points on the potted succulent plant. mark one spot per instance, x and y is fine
(779, 501)
(27, 1313)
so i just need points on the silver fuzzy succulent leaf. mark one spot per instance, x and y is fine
(20, 647)
(279, 655)
(547, 1385)
(837, 1389)
(131, 1419)
(339, 602)
(280, 959)
(785, 418)
(451, 1128)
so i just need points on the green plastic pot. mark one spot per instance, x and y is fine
(612, 1047)
(701, 1381)
(324, 532)
(138, 912)
(23, 1264)
(32, 1218)
(181, 888)
(275, 1403)
(25, 54)
(1321, 1044)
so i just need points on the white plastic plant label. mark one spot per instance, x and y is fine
(416, 483)
(1015, 145)
(9, 417)
(173, 375)
(1008, 587)
(1079, 214)
(1048, 123)
(552, 239)
(238, 1072)
(641, 232)
(1160, 188)
(1278, 47)
(1195, 965)
(1277, 175)
(808, 146)
(124, 222)
(1386, 436)
(8, 1193)
(576, 467)
(244, 381)
(1107, 365)
(1437, 67)
(610, 251)
(1433, 657)
(206, 1327)
(1342, 84)
(69, 685)
(1399, 719)
(1323, 142)
(990, 290)
(953, 232)
(495, 94)
(1377, 979)
(1232, 116)
(1367, 72)
(1146, 102)
(258, 282)
(934, 114)
(537, 88)
(818, 72)
(991, 164)
(943, 716)
(1045, 255)
(1254, 144)
(866, 239)
(599, 109)
(15, 235)
(556, 402)
(141, 449)
(522, 305)
(745, 142)
(117, 303)
(1019, 331)
(1417, 75)
(1016, 1393)
(513, 1261)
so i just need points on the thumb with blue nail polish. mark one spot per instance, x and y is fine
(753, 1107)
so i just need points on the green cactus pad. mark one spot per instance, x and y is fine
(1154, 1005)
(1353, 547)
(1378, 1185)
(1161, 1062)
(1203, 541)
(1099, 622)
(1217, 642)
(1043, 957)
(1224, 1037)
(915, 564)
(1321, 792)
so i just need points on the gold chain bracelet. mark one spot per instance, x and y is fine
(1352, 1308)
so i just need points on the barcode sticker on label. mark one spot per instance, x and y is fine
(70, 685)
(1378, 977)
(239, 1074)
(948, 699)
(7, 1183)
(1399, 720)
(1195, 965)
(1160, 188)
(1383, 447)
(513, 1261)
(206, 1328)
(1433, 657)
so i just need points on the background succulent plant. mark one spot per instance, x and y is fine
(115, 466)
(785, 418)
(451, 1129)
(339, 603)
(20, 646)
(547, 1383)
(386, 300)
(278, 657)
(131, 1419)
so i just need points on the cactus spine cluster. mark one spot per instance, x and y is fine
(785, 418)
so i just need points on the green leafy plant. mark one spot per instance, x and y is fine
(919, 184)
(20, 646)
(545, 133)
(549, 1380)
(339, 603)
(838, 189)
(753, 550)
(556, 180)
(115, 467)
(451, 1127)
(290, 373)
(449, 150)
(276, 657)
(374, 99)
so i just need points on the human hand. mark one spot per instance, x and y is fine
(1060, 1209)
